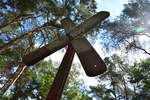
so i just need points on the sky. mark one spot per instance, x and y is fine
(115, 9)
(113, 6)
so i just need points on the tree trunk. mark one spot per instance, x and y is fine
(114, 89)
(11, 82)
(125, 88)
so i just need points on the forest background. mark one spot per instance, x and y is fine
(27, 25)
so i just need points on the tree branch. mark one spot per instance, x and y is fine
(138, 47)
(18, 19)
(26, 35)
(11, 82)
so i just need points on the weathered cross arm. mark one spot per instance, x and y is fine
(91, 61)
(81, 29)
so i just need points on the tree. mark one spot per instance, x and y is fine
(127, 29)
(113, 84)
(139, 78)
(122, 81)
(36, 81)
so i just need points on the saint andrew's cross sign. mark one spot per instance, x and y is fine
(90, 60)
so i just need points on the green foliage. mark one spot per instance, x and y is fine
(111, 83)
(119, 79)
(140, 73)
(6, 57)
(131, 9)
(24, 5)
(36, 81)
(139, 77)
(1, 42)
(6, 97)
(2, 62)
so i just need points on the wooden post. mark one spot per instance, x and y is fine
(61, 76)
